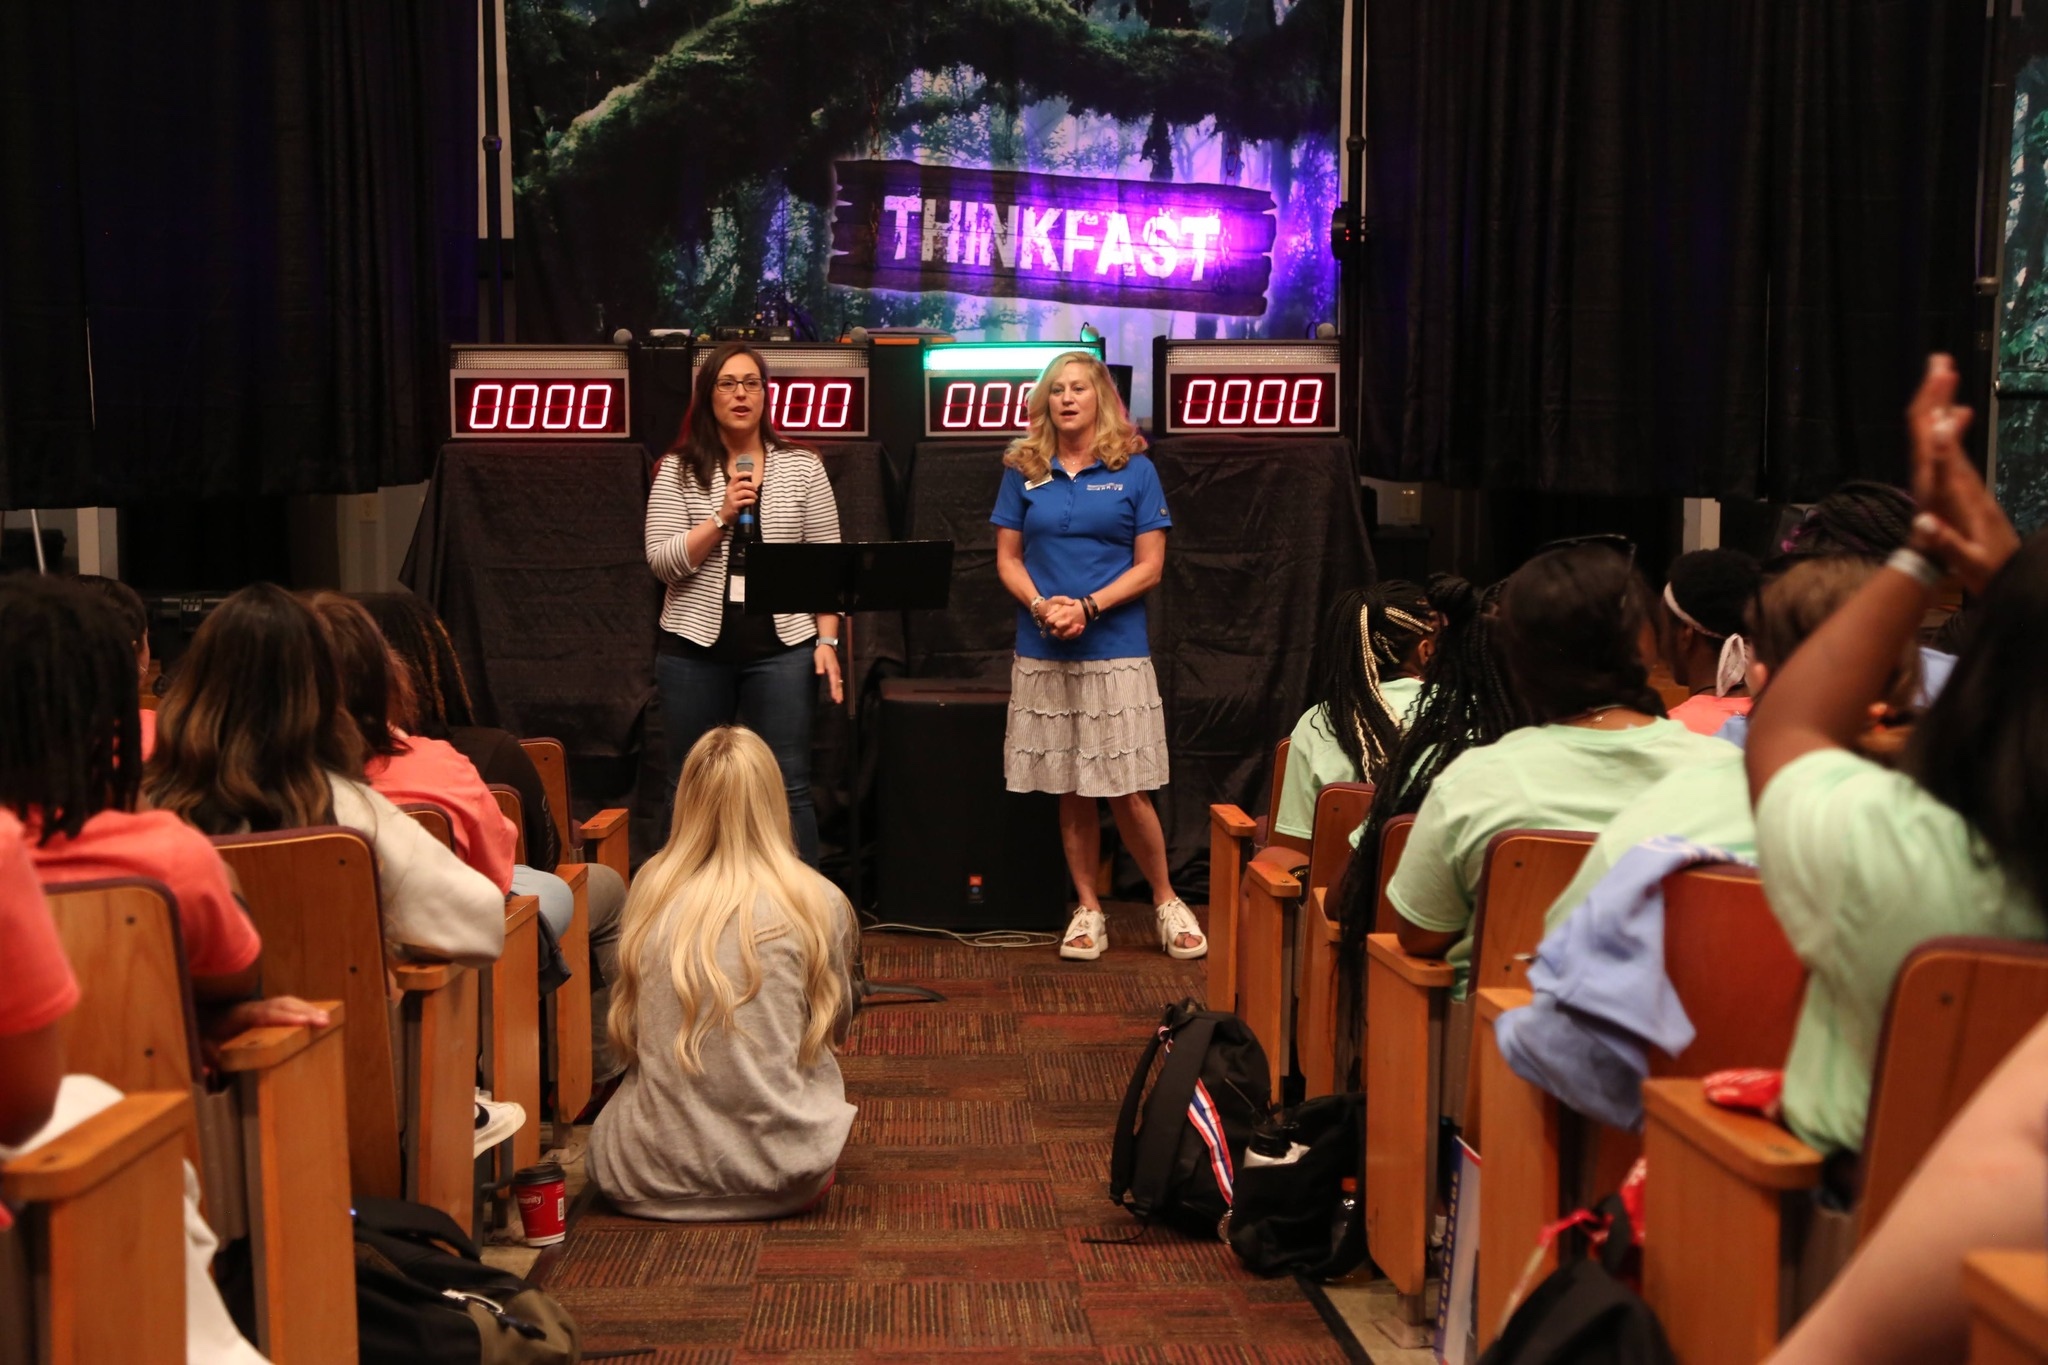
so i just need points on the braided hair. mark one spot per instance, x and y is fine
(1367, 638)
(440, 693)
(1862, 518)
(1466, 703)
(70, 714)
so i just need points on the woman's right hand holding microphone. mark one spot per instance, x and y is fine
(740, 491)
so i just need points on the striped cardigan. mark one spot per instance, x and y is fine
(796, 507)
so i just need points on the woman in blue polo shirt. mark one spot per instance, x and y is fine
(1081, 538)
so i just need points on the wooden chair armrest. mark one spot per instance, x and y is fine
(259, 1049)
(2009, 1287)
(1331, 931)
(518, 910)
(1426, 972)
(424, 978)
(1495, 1001)
(603, 825)
(576, 875)
(1751, 1148)
(1275, 883)
(1231, 822)
(98, 1148)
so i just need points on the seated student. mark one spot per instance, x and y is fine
(1576, 624)
(733, 989)
(1376, 642)
(39, 1103)
(253, 739)
(1708, 803)
(129, 606)
(1869, 520)
(406, 768)
(1465, 704)
(1705, 599)
(1899, 1301)
(1861, 863)
(441, 710)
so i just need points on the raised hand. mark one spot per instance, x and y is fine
(1959, 522)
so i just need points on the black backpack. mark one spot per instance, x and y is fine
(1299, 1212)
(1582, 1314)
(422, 1293)
(1180, 1165)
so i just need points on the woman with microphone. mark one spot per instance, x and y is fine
(1080, 539)
(726, 484)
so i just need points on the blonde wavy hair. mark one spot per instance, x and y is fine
(1116, 440)
(729, 843)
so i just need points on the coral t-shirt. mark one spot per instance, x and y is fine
(37, 989)
(1706, 713)
(435, 772)
(219, 939)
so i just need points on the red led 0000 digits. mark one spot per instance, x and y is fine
(495, 405)
(1271, 401)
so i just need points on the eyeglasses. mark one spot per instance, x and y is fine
(752, 384)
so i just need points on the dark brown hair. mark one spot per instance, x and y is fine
(373, 684)
(1571, 625)
(440, 693)
(698, 446)
(253, 725)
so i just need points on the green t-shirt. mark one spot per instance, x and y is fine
(1862, 865)
(1707, 803)
(1315, 759)
(1539, 777)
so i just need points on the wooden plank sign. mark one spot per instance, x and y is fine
(1071, 239)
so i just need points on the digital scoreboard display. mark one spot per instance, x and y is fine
(548, 393)
(815, 388)
(1271, 388)
(984, 388)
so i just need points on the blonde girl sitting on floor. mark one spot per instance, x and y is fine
(734, 986)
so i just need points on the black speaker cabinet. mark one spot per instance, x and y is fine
(959, 850)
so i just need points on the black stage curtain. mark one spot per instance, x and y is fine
(1265, 535)
(234, 241)
(1648, 247)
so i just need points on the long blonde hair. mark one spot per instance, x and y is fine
(1116, 440)
(729, 843)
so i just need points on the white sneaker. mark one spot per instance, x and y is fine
(1088, 924)
(496, 1120)
(1176, 919)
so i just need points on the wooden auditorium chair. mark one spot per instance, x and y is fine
(1741, 985)
(1234, 839)
(273, 1152)
(1294, 1002)
(314, 897)
(2007, 1290)
(567, 1008)
(508, 1004)
(1958, 1007)
(1419, 1063)
(103, 1217)
(600, 839)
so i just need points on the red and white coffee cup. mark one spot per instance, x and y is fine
(542, 1193)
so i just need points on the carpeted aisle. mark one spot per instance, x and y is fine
(976, 1171)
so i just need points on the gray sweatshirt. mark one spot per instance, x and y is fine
(753, 1135)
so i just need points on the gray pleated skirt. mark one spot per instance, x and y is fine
(1090, 726)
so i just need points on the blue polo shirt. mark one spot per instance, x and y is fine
(1079, 535)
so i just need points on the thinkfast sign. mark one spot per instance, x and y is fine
(1010, 234)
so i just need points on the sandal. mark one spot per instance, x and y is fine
(1175, 919)
(1089, 924)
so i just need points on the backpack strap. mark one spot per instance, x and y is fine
(1123, 1149)
(1166, 1112)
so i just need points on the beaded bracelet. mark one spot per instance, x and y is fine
(1915, 566)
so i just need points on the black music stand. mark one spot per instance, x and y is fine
(846, 577)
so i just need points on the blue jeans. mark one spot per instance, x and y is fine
(774, 697)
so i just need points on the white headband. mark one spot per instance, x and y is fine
(1732, 669)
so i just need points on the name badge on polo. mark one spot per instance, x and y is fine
(1039, 482)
